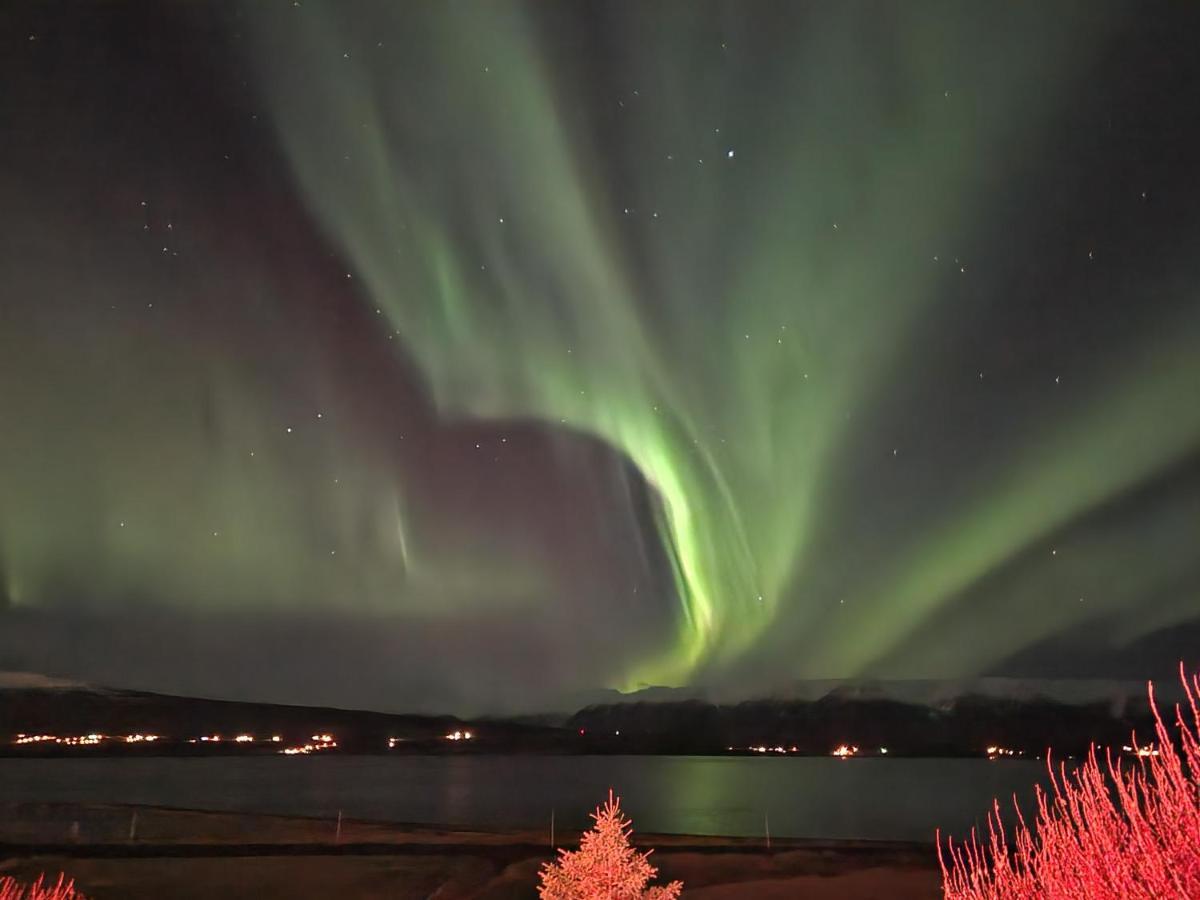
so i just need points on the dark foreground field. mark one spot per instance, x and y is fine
(188, 854)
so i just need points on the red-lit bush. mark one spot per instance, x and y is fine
(63, 889)
(1103, 832)
(604, 867)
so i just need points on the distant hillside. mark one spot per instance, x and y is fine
(907, 718)
(919, 691)
(35, 705)
(966, 725)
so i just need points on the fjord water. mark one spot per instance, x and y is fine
(803, 797)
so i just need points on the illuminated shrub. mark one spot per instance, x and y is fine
(604, 867)
(10, 889)
(1103, 832)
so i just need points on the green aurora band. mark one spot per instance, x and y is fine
(868, 295)
(717, 268)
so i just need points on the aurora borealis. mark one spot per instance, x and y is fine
(481, 354)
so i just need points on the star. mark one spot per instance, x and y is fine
(254, 328)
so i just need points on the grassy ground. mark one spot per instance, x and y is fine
(184, 854)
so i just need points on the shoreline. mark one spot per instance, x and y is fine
(199, 853)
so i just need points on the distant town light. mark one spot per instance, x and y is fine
(1148, 750)
(35, 738)
(995, 752)
(319, 742)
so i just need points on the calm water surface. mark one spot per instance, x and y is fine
(885, 799)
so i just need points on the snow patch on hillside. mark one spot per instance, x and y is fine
(35, 681)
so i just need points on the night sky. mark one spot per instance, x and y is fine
(471, 355)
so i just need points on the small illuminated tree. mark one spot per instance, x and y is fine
(1103, 832)
(604, 867)
(63, 889)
